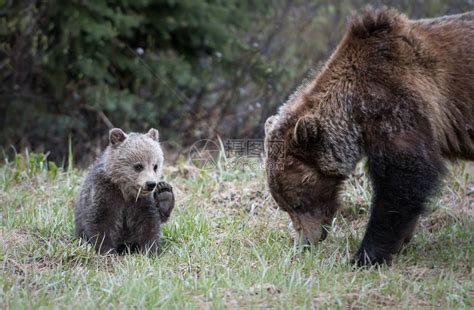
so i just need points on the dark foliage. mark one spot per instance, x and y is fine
(192, 68)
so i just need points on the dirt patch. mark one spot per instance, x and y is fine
(266, 288)
(11, 238)
(360, 300)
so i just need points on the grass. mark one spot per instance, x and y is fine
(226, 246)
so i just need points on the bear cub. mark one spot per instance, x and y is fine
(122, 203)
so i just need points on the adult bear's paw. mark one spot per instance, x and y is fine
(369, 255)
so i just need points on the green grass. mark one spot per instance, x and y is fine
(226, 245)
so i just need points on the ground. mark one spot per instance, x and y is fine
(226, 245)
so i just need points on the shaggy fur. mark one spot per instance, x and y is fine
(396, 91)
(121, 203)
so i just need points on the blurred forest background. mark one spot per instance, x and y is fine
(191, 68)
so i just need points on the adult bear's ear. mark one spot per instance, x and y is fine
(305, 132)
(269, 123)
(154, 134)
(116, 136)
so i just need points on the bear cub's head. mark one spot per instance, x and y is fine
(134, 162)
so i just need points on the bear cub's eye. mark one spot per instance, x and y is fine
(138, 167)
(155, 167)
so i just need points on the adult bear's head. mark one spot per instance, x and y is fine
(311, 146)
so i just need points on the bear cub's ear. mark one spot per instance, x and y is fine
(116, 136)
(153, 133)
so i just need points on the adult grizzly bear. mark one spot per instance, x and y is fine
(396, 91)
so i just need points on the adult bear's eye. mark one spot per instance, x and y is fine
(138, 167)
(155, 167)
(298, 206)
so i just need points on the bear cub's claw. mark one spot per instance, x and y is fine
(163, 187)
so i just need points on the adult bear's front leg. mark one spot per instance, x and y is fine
(403, 175)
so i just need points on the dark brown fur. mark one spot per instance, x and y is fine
(121, 204)
(396, 91)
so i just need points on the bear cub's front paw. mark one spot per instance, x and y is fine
(164, 199)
